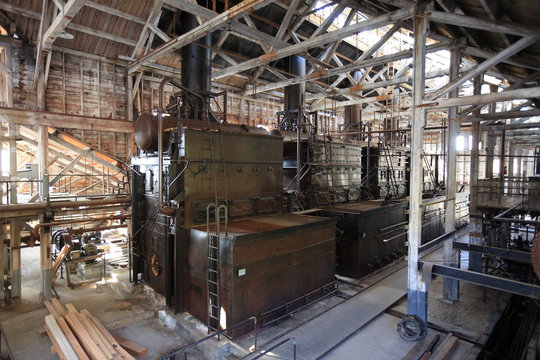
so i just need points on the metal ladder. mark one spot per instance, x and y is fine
(391, 172)
(212, 282)
(429, 169)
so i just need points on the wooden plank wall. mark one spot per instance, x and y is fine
(76, 85)
(91, 86)
(23, 65)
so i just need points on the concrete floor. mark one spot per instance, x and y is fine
(376, 338)
(23, 320)
(472, 318)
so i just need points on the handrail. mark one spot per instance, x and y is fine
(217, 217)
(264, 352)
(303, 297)
(184, 349)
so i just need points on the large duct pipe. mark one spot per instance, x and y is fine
(294, 103)
(353, 113)
(294, 94)
(196, 58)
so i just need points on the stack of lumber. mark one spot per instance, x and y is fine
(79, 335)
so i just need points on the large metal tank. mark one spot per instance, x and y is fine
(265, 262)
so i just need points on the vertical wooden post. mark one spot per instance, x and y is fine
(417, 290)
(15, 224)
(475, 227)
(45, 235)
(3, 270)
(451, 256)
(490, 140)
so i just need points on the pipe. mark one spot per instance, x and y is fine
(62, 204)
(113, 217)
(298, 152)
(161, 111)
(80, 231)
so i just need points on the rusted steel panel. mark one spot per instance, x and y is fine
(261, 270)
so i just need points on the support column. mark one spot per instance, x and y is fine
(417, 290)
(491, 140)
(511, 158)
(45, 235)
(14, 224)
(3, 258)
(129, 97)
(475, 227)
(451, 256)
(519, 162)
(15, 245)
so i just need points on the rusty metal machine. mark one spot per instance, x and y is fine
(209, 232)
(364, 185)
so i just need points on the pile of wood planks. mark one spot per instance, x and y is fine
(80, 335)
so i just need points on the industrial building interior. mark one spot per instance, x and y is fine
(262, 179)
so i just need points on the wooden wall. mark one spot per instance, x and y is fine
(93, 86)
(79, 85)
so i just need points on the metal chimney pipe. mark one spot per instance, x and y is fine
(196, 58)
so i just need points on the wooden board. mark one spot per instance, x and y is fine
(131, 347)
(444, 350)
(107, 335)
(58, 306)
(58, 338)
(54, 348)
(72, 339)
(84, 338)
(60, 258)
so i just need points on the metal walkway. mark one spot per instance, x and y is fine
(321, 335)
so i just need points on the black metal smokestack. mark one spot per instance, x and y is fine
(294, 94)
(353, 113)
(196, 58)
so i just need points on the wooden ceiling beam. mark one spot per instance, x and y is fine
(60, 22)
(381, 60)
(216, 23)
(20, 11)
(482, 67)
(102, 34)
(115, 12)
(481, 24)
(319, 40)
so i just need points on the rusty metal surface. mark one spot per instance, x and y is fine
(356, 207)
(266, 262)
(247, 174)
(371, 236)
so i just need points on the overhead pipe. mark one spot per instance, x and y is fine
(89, 220)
